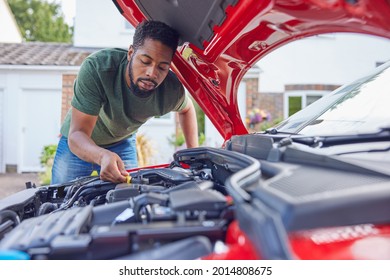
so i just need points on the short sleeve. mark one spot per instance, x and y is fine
(182, 102)
(88, 93)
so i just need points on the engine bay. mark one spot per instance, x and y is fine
(187, 201)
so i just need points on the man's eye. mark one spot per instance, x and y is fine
(164, 68)
(145, 62)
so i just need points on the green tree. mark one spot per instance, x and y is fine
(41, 21)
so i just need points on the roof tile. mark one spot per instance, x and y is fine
(39, 53)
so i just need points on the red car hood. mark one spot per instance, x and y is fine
(211, 63)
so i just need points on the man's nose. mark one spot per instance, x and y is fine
(152, 72)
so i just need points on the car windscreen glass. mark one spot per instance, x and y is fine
(361, 107)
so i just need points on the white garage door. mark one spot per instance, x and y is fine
(41, 111)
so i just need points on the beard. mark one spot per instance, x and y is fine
(133, 85)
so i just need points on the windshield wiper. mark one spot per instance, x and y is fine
(328, 141)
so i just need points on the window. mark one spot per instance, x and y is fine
(297, 100)
(294, 104)
(311, 98)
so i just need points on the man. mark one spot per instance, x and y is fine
(116, 91)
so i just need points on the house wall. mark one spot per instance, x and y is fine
(67, 93)
(333, 59)
(269, 103)
(272, 103)
(98, 23)
(11, 33)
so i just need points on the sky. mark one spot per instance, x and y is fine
(68, 8)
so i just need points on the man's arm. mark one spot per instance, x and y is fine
(189, 125)
(81, 144)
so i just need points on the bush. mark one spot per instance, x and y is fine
(46, 159)
(177, 140)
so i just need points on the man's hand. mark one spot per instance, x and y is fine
(112, 168)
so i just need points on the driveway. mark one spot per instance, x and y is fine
(13, 182)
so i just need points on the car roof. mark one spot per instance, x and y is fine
(222, 39)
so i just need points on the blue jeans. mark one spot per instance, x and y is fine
(67, 166)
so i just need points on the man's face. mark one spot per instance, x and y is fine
(148, 66)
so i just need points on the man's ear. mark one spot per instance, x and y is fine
(130, 52)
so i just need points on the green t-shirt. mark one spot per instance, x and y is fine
(101, 90)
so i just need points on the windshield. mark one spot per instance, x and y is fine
(361, 107)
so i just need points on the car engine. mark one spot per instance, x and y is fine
(159, 211)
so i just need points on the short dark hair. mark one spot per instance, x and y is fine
(155, 30)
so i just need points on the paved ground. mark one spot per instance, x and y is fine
(12, 182)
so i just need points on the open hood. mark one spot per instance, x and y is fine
(223, 39)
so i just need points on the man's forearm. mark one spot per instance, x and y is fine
(84, 147)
